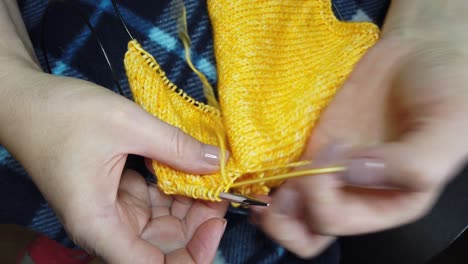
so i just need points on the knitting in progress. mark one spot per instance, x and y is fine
(279, 64)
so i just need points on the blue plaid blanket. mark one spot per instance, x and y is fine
(73, 51)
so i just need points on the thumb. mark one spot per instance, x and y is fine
(422, 161)
(148, 136)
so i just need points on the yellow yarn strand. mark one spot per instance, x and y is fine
(290, 175)
(185, 38)
(207, 87)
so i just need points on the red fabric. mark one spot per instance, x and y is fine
(46, 251)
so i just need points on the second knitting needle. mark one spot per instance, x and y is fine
(243, 200)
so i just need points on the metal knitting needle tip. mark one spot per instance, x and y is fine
(243, 200)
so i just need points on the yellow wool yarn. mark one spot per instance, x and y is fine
(279, 64)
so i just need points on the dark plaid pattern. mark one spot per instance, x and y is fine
(73, 51)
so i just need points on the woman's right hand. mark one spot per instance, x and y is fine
(402, 114)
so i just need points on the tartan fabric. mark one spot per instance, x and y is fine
(73, 51)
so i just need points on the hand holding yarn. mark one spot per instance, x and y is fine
(402, 116)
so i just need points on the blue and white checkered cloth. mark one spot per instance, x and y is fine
(73, 51)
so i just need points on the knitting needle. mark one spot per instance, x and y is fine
(243, 200)
(249, 201)
(231, 197)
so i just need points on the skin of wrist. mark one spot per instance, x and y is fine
(27, 97)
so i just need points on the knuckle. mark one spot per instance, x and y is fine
(322, 215)
(327, 223)
(419, 177)
(118, 115)
(181, 143)
(321, 221)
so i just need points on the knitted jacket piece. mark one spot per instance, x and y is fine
(279, 64)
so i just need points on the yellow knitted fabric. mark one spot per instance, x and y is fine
(279, 65)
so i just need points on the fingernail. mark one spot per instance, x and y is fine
(365, 172)
(285, 201)
(211, 154)
(224, 223)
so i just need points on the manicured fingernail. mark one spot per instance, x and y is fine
(365, 172)
(285, 201)
(211, 155)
